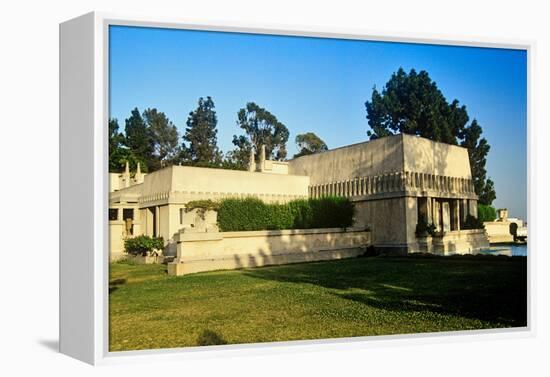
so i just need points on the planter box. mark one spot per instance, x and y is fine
(148, 259)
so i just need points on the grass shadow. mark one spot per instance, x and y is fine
(115, 283)
(210, 338)
(486, 288)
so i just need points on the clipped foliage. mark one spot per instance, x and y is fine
(205, 205)
(486, 212)
(253, 214)
(472, 222)
(327, 212)
(423, 228)
(142, 245)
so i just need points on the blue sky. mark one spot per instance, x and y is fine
(320, 85)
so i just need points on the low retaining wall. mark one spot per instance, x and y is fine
(198, 252)
(145, 259)
(454, 242)
(498, 231)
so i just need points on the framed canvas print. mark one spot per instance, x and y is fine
(226, 187)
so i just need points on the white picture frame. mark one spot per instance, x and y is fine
(84, 189)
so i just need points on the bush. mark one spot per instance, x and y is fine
(205, 205)
(486, 212)
(472, 222)
(327, 212)
(143, 245)
(423, 228)
(253, 214)
(202, 206)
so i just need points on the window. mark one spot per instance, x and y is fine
(113, 214)
(128, 213)
(181, 215)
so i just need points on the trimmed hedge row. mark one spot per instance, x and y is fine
(253, 214)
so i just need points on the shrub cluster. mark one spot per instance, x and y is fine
(205, 205)
(423, 228)
(202, 206)
(253, 214)
(327, 212)
(472, 222)
(142, 245)
(486, 212)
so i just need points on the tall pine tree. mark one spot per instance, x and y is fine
(139, 139)
(201, 136)
(119, 154)
(477, 151)
(412, 103)
(164, 138)
(115, 144)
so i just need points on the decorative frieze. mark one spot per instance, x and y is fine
(393, 182)
(182, 196)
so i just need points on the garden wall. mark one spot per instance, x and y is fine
(498, 231)
(455, 242)
(207, 251)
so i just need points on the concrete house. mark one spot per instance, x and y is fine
(393, 181)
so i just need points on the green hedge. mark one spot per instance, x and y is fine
(253, 214)
(141, 245)
(486, 213)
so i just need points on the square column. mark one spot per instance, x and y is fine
(437, 215)
(429, 210)
(455, 214)
(446, 216)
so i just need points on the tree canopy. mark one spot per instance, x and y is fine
(201, 134)
(412, 103)
(115, 144)
(164, 139)
(139, 138)
(261, 128)
(119, 153)
(309, 143)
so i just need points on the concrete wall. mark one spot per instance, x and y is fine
(425, 156)
(364, 159)
(275, 167)
(207, 251)
(391, 164)
(221, 181)
(385, 220)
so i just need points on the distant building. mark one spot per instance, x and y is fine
(505, 229)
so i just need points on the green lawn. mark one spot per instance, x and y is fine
(345, 298)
